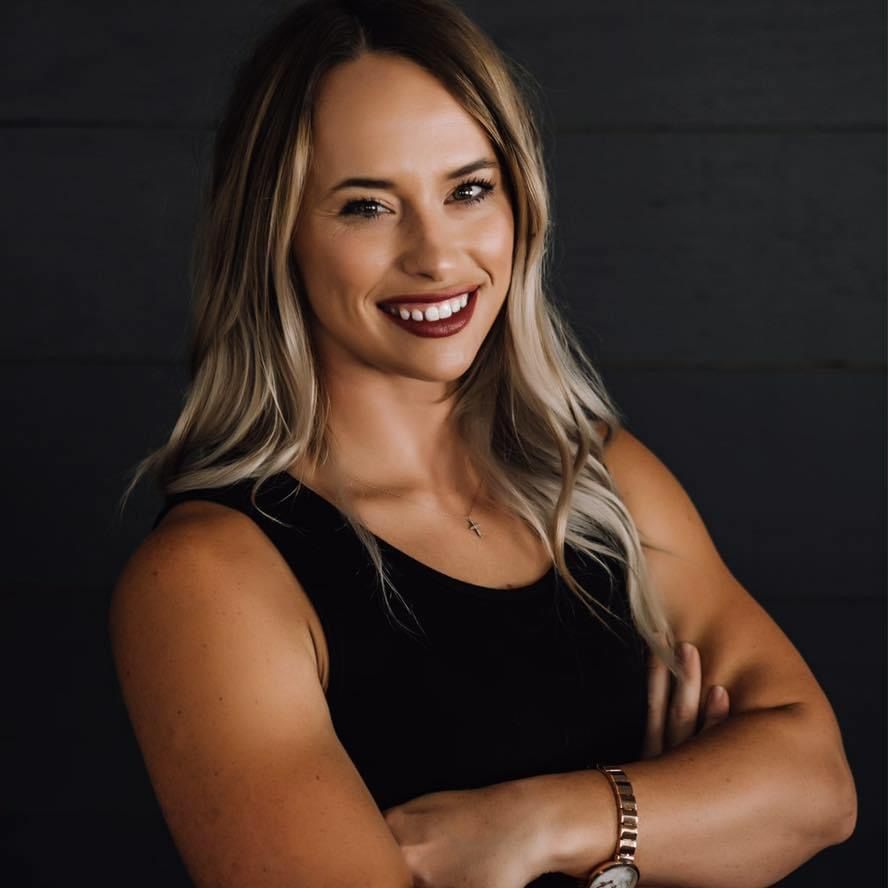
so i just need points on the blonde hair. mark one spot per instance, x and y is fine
(256, 404)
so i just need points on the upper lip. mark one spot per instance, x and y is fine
(431, 297)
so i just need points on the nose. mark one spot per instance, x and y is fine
(432, 244)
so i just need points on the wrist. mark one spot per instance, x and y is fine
(575, 821)
(528, 801)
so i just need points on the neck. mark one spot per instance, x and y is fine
(456, 493)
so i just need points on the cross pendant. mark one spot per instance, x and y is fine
(473, 526)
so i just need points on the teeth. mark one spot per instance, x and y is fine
(438, 311)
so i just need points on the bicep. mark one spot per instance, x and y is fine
(223, 692)
(741, 647)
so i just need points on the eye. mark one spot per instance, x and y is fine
(363, 207)
(485, 186)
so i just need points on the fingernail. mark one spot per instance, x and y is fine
(685, 652)
(718, 693)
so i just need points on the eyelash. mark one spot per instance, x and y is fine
(486, 186)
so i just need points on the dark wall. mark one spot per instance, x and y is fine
(719, 184)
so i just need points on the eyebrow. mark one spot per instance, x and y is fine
(363, 182)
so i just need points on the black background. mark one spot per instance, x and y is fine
(718, 171)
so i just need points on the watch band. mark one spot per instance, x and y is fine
(621, 869)
(627, 830)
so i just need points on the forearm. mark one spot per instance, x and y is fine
(737, 806)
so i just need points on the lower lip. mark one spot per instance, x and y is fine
(434, 329)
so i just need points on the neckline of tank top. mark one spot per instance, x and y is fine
(531, 590)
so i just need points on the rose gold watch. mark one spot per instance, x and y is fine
(621, 871)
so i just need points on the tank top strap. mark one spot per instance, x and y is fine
(238, 495)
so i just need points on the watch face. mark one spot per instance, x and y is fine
(617, 875)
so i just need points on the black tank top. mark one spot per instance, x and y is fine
(496, 685)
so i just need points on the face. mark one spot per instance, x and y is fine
(422, 228)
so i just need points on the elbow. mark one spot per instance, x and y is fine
(839, 815)
(845, 821)
(832, 812)
(846, 804)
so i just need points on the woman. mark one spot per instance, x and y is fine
(384, 399)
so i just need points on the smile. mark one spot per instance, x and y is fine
(443, 318)
(434, 311)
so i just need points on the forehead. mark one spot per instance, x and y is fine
(381, 115)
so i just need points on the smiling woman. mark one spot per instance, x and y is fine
(430, 221)
(385, 399)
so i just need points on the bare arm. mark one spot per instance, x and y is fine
(221, 682)
(748, 801)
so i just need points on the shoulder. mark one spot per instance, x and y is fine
(659, 505)
(676, 542)
(684, 567)
(205, 536)
(204, 555)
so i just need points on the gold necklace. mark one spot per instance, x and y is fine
(472, 525)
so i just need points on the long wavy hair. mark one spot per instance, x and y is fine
(256, 403)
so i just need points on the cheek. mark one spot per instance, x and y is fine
(344, 261)
(493, 238)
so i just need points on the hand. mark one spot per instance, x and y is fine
(479, 838)
(673, 717)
